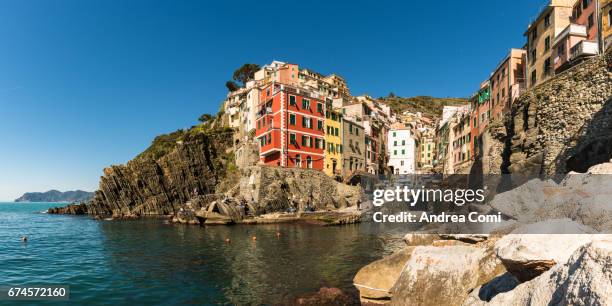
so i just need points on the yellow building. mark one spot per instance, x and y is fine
(606, 22)
(427, 151)
(540, 37)
(333, 142)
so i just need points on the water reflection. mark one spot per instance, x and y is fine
(159, 261)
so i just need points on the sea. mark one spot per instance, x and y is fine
(150, 261)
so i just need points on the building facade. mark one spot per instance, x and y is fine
(353, 147)
(540, 37)
(290, 127)
(333, 141)
(605, 9)
(507, 82)
(402, 150)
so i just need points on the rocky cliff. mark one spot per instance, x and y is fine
(206, 174)
(147, 186)
(562, 125)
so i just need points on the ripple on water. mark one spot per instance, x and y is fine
(146, 261)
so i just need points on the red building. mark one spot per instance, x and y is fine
(290, 127)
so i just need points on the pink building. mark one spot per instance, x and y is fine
(579, 39)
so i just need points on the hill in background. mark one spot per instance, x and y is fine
(56, 196)
(427, 105)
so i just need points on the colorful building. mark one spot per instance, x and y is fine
(291, 127)
(427, 151)
(541, 35)
(580, 39)
(333, 141)
(461, 141)
(507, 82)
(353, 146)
(605, 9)
(480, 116)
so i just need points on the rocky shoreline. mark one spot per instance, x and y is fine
(555, 249)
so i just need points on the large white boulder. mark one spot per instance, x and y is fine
(584, 279)
(444, 275)
(530, 250)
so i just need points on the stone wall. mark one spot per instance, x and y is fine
(562, 125)
(274, 189)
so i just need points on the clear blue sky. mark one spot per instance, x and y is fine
(87, 84)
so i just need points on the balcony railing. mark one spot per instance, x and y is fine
(584, 48)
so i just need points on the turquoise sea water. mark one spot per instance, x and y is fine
(150, 262)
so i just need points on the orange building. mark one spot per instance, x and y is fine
(290, 127)
(507, 82)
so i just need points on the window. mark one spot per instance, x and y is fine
(317, 143)
(561, 49)
(305, 103)
(577, 11)
(585, 3)
(401, 162)
(350, 128)
(533, 77)
(403, 142)
(292, 119)
(306, 122)
(547, 66)
(547, 20)
(339, 148)
(309, 162)
(292, 100)
(534, 34)
(394, 152)
(395, 142)
(292, 139)
(534, 56)
(356, 131)
(319, 125)
(591, 22)
(394, 134)
(298, 161)
(336, 132)
(320, 108)
(547, 43)
(403, 152)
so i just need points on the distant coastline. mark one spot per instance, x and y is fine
(55, 196)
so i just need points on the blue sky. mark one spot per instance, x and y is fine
(87, 84)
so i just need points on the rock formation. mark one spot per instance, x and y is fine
(562, 125)
(198, 182)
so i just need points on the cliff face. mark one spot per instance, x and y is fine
(158, 187)
(562, 125)
(201, 171)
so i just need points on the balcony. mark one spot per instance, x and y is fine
(584, 48)
(264, 112)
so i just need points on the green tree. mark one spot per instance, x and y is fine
(232, 86)
(245, 73)
(205, 118)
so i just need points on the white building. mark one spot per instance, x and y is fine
(402, 149)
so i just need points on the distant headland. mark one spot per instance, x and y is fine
(56, 196)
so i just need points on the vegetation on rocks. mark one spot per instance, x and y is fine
(427, 105)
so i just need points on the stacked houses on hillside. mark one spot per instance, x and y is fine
(565, 33)
(300, 118)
